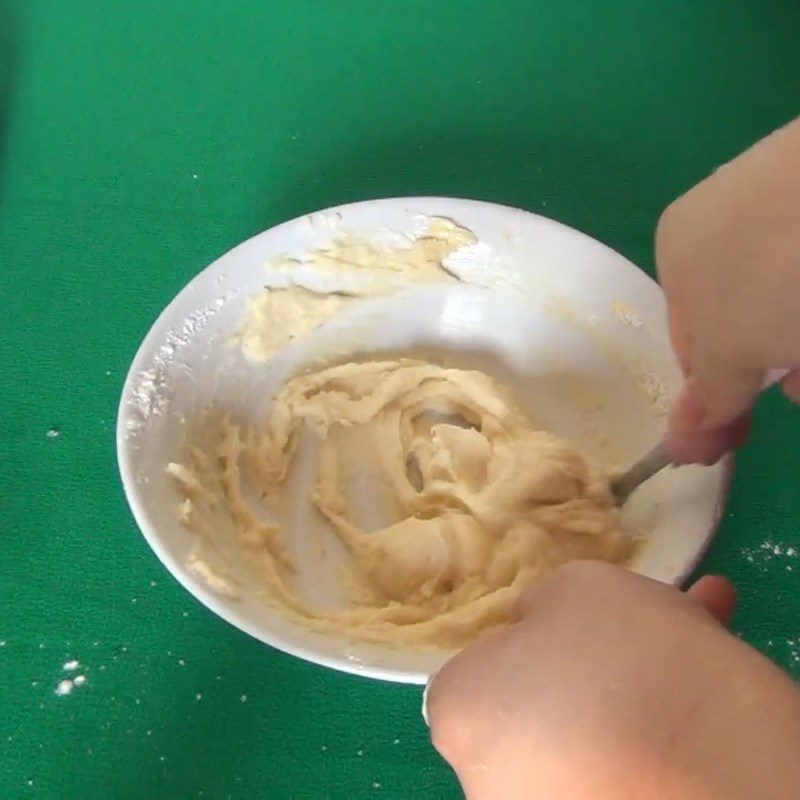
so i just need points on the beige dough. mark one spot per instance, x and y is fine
(480, 501)
(277, 315)
(419, 260)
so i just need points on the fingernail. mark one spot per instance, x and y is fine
(774, 376)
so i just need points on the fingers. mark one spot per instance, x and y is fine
(690, 440)
(706, 447)
(717, 595)
(716, 395)
(715, 592)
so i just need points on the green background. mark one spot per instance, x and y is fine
(139, 141)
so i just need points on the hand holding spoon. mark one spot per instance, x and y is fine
(658, 458)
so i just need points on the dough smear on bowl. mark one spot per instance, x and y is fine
(478, 501)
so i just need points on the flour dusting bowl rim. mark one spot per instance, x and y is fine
(213, 292)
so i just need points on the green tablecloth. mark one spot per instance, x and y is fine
(138, 141)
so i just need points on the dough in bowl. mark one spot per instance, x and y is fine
(478, 502)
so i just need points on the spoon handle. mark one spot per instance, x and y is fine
(642, 470)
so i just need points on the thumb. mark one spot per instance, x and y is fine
(717, 595)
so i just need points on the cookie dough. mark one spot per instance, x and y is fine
(420, 260)
(478, 501)
(279, 314)
(276, 316)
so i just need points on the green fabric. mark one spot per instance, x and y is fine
(139, 141)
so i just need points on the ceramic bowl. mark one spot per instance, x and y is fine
(575, 329)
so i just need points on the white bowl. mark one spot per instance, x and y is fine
(577, 330)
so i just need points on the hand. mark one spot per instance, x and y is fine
(728, 255)
(609, 685)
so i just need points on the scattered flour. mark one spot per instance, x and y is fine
(67, 685)
(773, 555)
(655, 391)
(150, 395)
(626, 314)
(787, 653)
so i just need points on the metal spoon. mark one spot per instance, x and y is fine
(644, 469)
